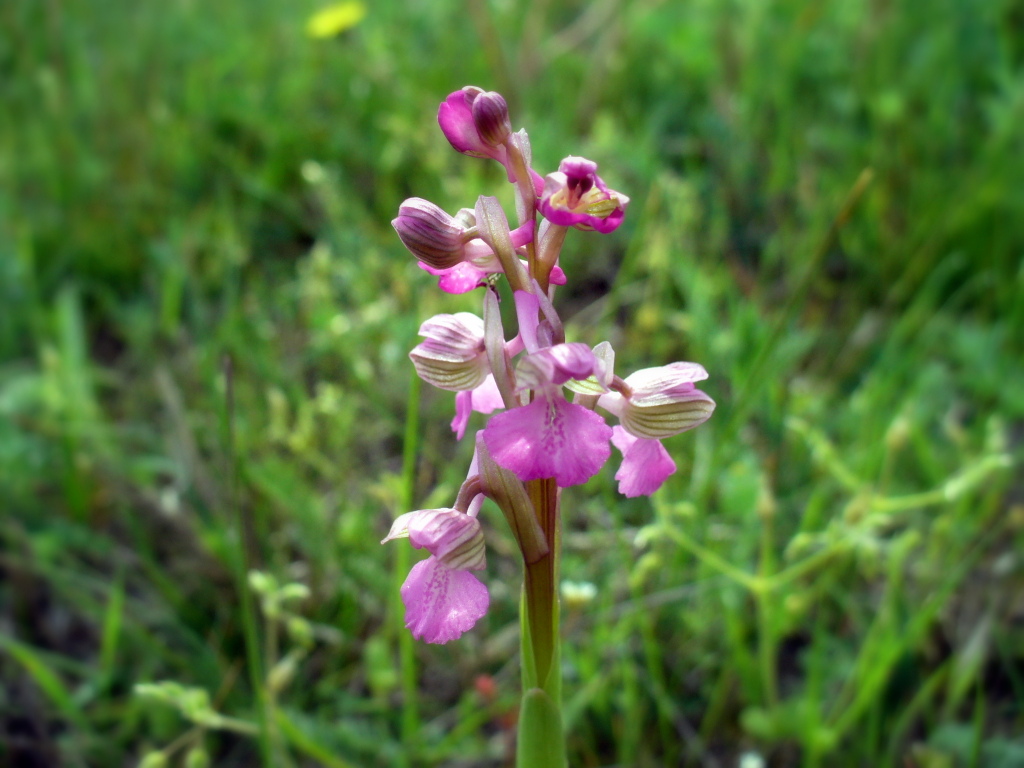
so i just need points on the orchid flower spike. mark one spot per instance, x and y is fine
(575, 196)
(443, 600)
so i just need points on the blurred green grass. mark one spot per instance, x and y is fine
(833, 578)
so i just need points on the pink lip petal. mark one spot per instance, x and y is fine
(550, 437)
(645, 464)
(441, 603)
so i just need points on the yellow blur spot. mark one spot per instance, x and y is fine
(335, 19)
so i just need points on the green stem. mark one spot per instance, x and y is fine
(540, 591)
(765, 601)
(241, 563)
(541, 740)
(403, 561)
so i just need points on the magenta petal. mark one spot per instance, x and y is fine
(441, 603)
(645, 464)
(461, 278)
(455, 116)
(550, 437)
(555, 365)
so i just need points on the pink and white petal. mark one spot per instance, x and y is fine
(400, 528)
(674, 378)
(441, 604)
(645, 464)
(550, 437)
(444, 532)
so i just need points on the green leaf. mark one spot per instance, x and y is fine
(541, 743)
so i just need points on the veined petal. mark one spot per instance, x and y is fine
(665, 379)
(663, 416)
(430, 234)
(442, 603)
(452, 355)
(662, 401)
(400, 528)
(550, 437)
(451, 536)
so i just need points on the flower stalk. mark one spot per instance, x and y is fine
(540, 441)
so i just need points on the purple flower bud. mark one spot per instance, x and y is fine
(490, 115)
(430, 234)
(575, 196)
(461, 123)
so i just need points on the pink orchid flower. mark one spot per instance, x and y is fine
(551, 437)
(658, 403)
(575, 196)
(442, 599)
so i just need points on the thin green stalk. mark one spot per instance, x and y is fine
(714, 560)
(240, 564)
(765, 601)
(410, 723)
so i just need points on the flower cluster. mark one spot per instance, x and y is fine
(539, 432)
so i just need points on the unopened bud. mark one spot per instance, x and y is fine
(430, 234)
(490, 115)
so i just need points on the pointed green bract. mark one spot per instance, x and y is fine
(541, 742)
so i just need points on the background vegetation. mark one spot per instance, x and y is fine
(203, 336)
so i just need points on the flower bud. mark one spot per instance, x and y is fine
(490, 115)
(430, 234)
(478, 131)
